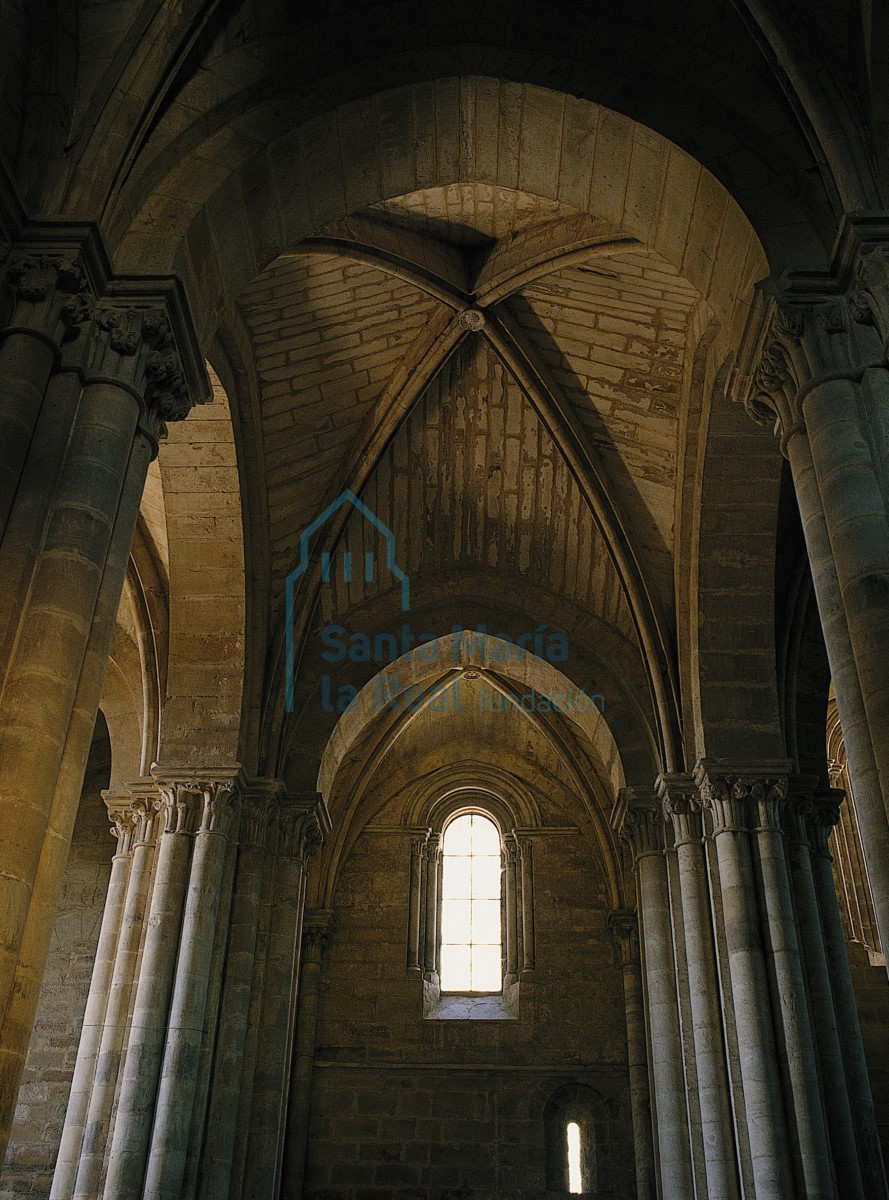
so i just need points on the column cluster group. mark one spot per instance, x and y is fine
(756, 1067)
(175, 1091)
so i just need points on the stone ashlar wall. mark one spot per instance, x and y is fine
(43, 1097)
(404, 1106)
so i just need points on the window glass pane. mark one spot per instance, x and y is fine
(456, 921)
(485, 878)
(455, 968)
(458, 836)
(486, 922)
(471, 921)
(486, 969)
(456, 877)
(485, 838)
(575, 1186)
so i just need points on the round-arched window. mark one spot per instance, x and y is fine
(470, 905)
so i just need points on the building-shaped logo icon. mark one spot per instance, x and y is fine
(346, 497)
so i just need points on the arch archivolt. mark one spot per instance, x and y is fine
(175, 676)
(538, 141)
(431, 800)
(456, 656)
(366, 738)
(201, 714)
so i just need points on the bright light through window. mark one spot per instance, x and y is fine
(574, 1184)
(470, 906)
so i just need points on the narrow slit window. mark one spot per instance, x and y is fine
(575, 1184)
(470, 906)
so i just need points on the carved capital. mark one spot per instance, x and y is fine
(178, 805)
(134, 348)
(219, 805)
(525, 848)
(259, 809)
(798, 808)
(823, 818)
(835, 772)
(806, 342)
(801, 333)
(638, 820)
(51, 276)
(50, 293)
(771, 800)
(870, 303)
(681, 805)
(741, 799)
(303, 825)
(624, 928)
(141, 340)
(318, 927)
(120, 816)
(144, 811)
(198, 800)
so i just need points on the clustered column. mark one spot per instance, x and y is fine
(772, 970)
(100, 989)
(682, 808)
(92, 367)
(301, 826)
(81, 1158)
(317, 928)
(837, 1095)
(231, 1062)
(625, 931)
(823, 816)
(638, 820)
(166, 1070)
(814, 362)
(176, 1093)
